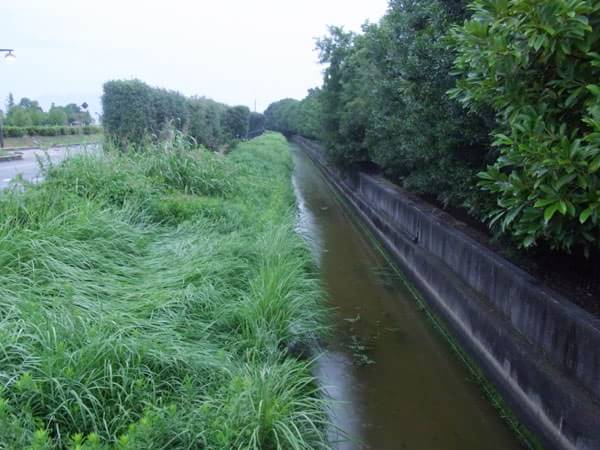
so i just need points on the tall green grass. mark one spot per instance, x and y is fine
(147, 300)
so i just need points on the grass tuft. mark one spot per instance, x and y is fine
(147, 299)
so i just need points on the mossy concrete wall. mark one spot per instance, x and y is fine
(540, 350)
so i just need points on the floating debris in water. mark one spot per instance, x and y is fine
(353, 320)
(359, 352)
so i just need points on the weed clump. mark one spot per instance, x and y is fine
(146, 299)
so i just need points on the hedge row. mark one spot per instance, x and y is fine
(517, 141)
(10, 131)
(134, 111)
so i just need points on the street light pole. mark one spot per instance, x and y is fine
(9, 53)
(9, 57)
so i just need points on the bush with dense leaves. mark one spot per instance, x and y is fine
(205, 121)
(384, 100)
(537, 64)
(128, 110)
(45, 130)
(256, 124)
(278, 116)
(134, 111)
(289, 116)
(236, 121)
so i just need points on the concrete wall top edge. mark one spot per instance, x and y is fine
(443, 219)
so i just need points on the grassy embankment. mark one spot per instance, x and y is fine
(146, 301)
(49, 141)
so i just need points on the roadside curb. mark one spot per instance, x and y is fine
(14, 157)
(18, 149)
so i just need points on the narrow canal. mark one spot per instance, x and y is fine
(394, 381)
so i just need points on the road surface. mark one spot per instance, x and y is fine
(29, 168)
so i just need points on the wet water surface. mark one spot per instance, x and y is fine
(395, 381)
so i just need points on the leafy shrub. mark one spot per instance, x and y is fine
(289, 116)
(256, 124)
(47, 130)
(236, 121)
(384, 100)
(205, 122)
(88, 129)
(538, 65)
(134, 111)
(128, 113)
(14, 131)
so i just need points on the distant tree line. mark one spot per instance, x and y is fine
(489, 106)
(291, 116)
(29, 113)
(135, 111)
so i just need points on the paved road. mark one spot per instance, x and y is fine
(29, 168)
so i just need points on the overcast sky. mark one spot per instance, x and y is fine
(233, 51)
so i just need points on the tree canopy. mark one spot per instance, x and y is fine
(489, 106)
(27, 113)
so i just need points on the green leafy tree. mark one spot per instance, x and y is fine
(29, 104)
(419, 136)
(236, 121)
(290, 116)
(205, 121)
(384, 100)
(342, 133)
(278, 116)
(537, 64)
(256, 123)
(57, 116)
(19, 117)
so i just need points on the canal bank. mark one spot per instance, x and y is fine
(538, 349)
(394, 381)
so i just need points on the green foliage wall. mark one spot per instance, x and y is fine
(236, 122)
(384, 100)
(256, 124)
(289, 116)
(50, 130)
(134, 111)
(128, 112)
(537, 64)
(278, 116)
(204, 121)
(415, 132)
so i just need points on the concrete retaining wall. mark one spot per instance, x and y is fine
(541, 350)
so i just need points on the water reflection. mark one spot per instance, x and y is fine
(394, 382)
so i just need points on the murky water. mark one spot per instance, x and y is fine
(395, 382)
